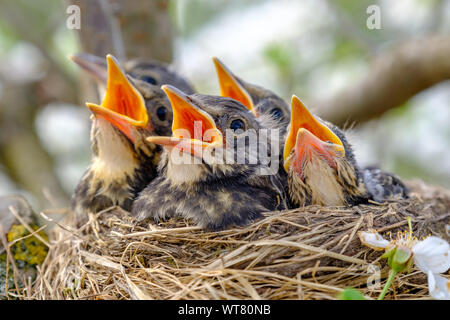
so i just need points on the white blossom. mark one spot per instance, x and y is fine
(431, 255)
(373, 240)
(438, 286)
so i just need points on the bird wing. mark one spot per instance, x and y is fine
(383, 185)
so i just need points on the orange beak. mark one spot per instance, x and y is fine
(193, 130)
(231, 88)
(123, 106)
(307, 132)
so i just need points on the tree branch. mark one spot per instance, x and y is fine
(95, 35)
(393, 78)
(146, 28)
(128, 29)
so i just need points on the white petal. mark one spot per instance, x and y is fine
(373, 240)
(438, 286)
(432, 254)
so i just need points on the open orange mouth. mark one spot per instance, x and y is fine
(193, 130)
(231, 88)
(306, 131)
(123, 105)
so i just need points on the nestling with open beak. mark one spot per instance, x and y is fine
(194, 181)
(123, 162)
(320, 163)
(271, 110)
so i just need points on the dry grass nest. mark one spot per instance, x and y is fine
(308, 253)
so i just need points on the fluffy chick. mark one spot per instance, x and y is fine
(122, 163)
(322, 169)
(195, 181)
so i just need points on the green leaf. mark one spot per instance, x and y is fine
(351, 294)
(388, 254)
(402, 255)
(400, 259)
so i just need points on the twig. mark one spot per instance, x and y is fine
(18, 217)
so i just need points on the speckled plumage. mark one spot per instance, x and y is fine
(119, 170)
(382, 185)
(213, 195)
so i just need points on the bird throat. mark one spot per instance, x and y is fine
(116, 174)
(318, 184)
(113, 154)
(114, 164)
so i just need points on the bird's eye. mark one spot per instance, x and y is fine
(277, 113)
(161, 113)
(237, 125)
(148, 79)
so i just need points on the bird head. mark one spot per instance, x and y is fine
(309, 139)
(206, 128)
(263, 103)
(123, 161)
(157, 73)
(146, 76)
(123, 106)
(152, 72)
(319, 162)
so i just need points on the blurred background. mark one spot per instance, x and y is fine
(388, 86)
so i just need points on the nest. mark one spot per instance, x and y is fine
(308, 253)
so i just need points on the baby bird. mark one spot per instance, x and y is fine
(123, 162)
(272, 111)
(319, 161)
(322, 169)
(200, 176)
